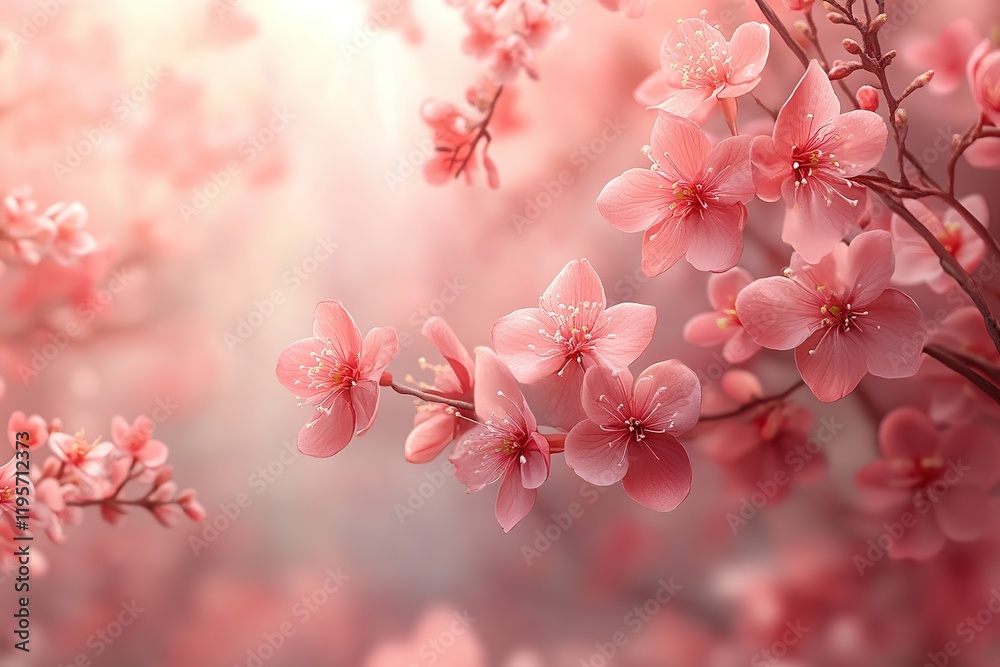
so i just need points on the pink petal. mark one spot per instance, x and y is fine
(920, 542)
(984, 153)
(578, 282)
(960, 513)
(333, 322)
(557, 397)
(906, 433)
(153, 454)
(893, 333)
(659, 473)
(863, 139)
(769, 169)
(730, 160)
(600, 382)
(664, 244)
(634, 201)
(656, 88)
(740, 348)
(429, 437)
(514, 501)
(975, 447)
(718, 238)
(749, 49)
(364, 400)
(632, 326)
(705, 330)
(687, 102)
(120, 429)
(723, 287)
(447, 343)
(880, 474)
(869, 266)
(497, 392)
(778, 312)
(293, 364)
(597, 455)
(683, 141)
(380, 347)
(731, 440)
(328, 434)
(818, 217)
(516, 337)
(535, 469)
(835, 368)
(673, 387)
(811, 105)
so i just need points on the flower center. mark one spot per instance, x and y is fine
(951, 237)
(837, 315)
(702, 62)
(572, 331)
(6, 494)
(917, 472)
(79, 448)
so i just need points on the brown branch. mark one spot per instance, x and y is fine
(481, 134)
(747, 407)
(955, 364)
(773, 19)
(432, 398)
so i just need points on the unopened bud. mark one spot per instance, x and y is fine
(901, 118)
(877, 23)
(852, 47)
(868, 98)
(918, 83)
(837, 17)
(888, 58)
(842, 68)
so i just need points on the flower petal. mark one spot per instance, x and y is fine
(778, 313)
(634, 201)
(659, 473)
(835, 366)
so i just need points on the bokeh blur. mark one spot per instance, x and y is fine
(241, 161)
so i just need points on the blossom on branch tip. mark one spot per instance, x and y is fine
(336, 373)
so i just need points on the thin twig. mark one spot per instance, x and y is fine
(432, 398)
(747, 407)
(956, 365)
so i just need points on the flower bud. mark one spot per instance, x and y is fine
(166, 515)
(851, 46)
(877, 23)
(868, 98)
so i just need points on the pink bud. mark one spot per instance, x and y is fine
(163, 475)
(166, 515)
(163, 493)
(868, 98)
(112, 513)
(798, 5)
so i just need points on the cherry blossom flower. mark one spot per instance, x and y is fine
(699, 68)
(947, 53)
(35, 426)
(632, 9)
(630, 434)
(916, 263)
(944, 478)
(809, 160)
(70, 241)
(721, 326)
(763, 444)
(571, 330)
(690, 204)
(336, 373)
(92, 459)
(953, 400)
(839, 316)
(436, 424)
(983, 71)
(137, 440)
(505, 445)
(8, 490)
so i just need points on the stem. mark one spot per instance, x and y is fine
(967, 140)
(955, 364)
(773, 19)
(813, 36)
(432, 398)
(770, 112)
(746, 407)
(483, 126)
(975, 361)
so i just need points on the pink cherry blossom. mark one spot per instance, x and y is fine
(947, 53)
(92, 458)
(70, 241)
(764, 443)
(945, 477)
(798, 5)
(571, 330)
(436, 424)
(8, 490)
(700, 67)
(505, 445)
(868, 98)
(35, 426)
(336, 373)
(984, 153)
(839, 316)
(721, 326)
(690, 204)
(983, 71)
(809, 160)
(632, 9)
(917, 264)
(137, 440)
(953, 399)
(630, 434)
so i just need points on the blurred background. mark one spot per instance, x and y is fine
(141, 110)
